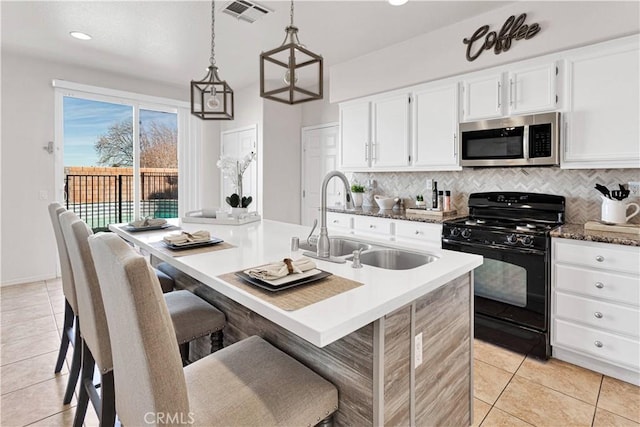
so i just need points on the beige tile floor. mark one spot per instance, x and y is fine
(510, 389)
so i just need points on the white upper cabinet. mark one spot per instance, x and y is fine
(482, 97)
(355, 134)
(601, 124)
(510, 92)
(374, 133)
(435, 127)
(390, 142)
(532, 89)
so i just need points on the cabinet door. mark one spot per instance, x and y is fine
(482, 97)
(532, 90)
(390, 143)
(435, 124)
(355, 128)
(602, 122)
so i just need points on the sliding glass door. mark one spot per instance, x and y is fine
(120, 159)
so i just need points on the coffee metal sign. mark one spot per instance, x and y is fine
(513, 29)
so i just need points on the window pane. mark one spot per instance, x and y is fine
(98, 159)
(158, 164)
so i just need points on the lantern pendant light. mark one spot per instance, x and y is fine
(291, 73)
(211, 97)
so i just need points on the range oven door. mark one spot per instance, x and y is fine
(511, 285)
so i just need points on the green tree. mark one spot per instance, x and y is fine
(158, 146)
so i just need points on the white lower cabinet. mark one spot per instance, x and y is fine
(595, 300)
(377, 227)
(339, 222)
(424, 232)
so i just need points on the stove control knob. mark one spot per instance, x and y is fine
(527, 241)
(466, 233)
(512, 239)
(454, 232)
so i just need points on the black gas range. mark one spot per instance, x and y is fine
(512, 287)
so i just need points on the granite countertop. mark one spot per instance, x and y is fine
(578, 232)
(393, 214)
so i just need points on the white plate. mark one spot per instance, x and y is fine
(290, 278)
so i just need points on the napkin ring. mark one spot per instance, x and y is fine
(288, 263)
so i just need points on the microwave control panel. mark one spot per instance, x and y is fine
(540, 140)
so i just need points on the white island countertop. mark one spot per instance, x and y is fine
(326, 321)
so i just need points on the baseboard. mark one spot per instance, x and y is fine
(596, 365)
(24, 280)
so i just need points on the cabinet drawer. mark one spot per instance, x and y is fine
(613, 317)
(414, 230)
(598, 284)
(365, 224)
(614, 349)
(598, 255)
(338, 220)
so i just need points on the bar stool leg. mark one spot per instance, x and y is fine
(108, 409)
(64, 344)
(184, 353)
(76, 363)
(88, 365)
(217, 343)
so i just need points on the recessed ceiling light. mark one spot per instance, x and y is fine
(79, 35)
(397, 2)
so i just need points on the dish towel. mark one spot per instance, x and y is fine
(148, 222)
(278, 270)
(184, 237)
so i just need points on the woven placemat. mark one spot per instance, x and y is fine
(183, 252)
(298, 297)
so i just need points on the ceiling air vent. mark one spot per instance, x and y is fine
(246, 10)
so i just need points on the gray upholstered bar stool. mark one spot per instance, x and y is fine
(69, 333)
(249, 383)
(192, 316)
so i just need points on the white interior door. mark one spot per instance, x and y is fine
(319, 156)
(236, 144)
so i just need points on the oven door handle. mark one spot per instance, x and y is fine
(494, 246)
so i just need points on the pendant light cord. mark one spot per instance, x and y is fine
(292, 13)
(212, 59)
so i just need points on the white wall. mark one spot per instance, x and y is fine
(320, 111)
(441, 53)
(28, 246)
(281, 159)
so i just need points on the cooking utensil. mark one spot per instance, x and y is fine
(620, 194)
(604, 190)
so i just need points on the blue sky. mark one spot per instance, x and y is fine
(86, 120)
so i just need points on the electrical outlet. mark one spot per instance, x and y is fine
(634, 188)
(418, 350)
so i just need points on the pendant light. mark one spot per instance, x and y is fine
(211, 97)
(291, 73)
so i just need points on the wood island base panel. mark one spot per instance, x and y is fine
(374, 368)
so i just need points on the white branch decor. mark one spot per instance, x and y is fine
(234, 169)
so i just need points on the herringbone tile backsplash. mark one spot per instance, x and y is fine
(577, 186)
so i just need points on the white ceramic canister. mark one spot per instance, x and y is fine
(615, 211)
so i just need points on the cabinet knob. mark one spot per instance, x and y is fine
(599, 285)
(372, 226)
(598, 344)
(335, 221)
(598, 315)
(417, 231)
(599, 258)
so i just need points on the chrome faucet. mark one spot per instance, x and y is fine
(323, 241)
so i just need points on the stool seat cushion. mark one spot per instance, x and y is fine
(166, 282)
(192, 316)
(252, 383)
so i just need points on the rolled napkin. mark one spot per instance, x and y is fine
(148, 222)
(185, 237)
(278, 270)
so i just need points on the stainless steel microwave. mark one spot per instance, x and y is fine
(513, 141)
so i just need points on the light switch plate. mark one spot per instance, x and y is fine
(634, 189)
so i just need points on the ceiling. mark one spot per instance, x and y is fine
(169, 41)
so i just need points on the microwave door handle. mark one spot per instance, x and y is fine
(525, 141)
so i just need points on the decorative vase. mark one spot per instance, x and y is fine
(237, 212)
(357, 199)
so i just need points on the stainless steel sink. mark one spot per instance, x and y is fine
(394, 259)
(339, 246)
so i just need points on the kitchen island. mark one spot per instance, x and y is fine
(362, 340)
